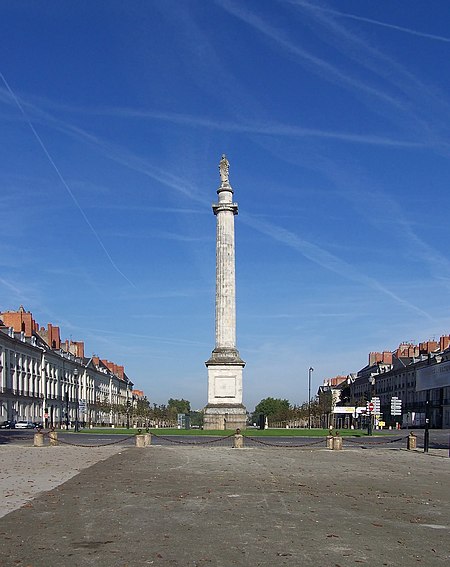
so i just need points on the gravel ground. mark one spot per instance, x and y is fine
(223, 507)
(27, 471)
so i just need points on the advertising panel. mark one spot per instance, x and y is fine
(433, 376)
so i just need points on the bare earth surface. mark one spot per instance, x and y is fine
(27, 471)
(217, 506)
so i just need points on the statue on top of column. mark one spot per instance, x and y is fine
(224, 168)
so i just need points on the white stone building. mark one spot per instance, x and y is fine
(55, 385)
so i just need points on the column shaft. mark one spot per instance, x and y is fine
(225, 281)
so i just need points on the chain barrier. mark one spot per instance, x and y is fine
(59, 440)
(301, 446)
(371, 443)
(179, 442)
(170, 439)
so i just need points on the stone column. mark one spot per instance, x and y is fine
(225, 409)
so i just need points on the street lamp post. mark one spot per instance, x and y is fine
(310, 371)
(67, 409)
(426, 438)
(128, 414)
(371, 388)
(77, 426)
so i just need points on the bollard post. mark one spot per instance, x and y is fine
(337, 443)
(140, 440)
(38, 439)
(53, 438)
(411, 442)
(238, 440)
(330, 441)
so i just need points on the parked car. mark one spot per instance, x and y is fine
(7, 424)
(24, 425)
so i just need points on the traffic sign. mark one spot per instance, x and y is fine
(370, 406)
(396, 406)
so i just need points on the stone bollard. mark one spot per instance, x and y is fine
(238, 440)
(140, 440)
(330, 441)
(411, 442)
(148, 439)
(53, 438)
(38, 439)
(337, 443)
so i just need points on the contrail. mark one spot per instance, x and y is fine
(371, 21)
(325, 259)
(63, 181)
(393, 27)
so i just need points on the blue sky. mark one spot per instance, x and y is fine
(335, 119)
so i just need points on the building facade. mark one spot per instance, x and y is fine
(418, 375)
(51, 382)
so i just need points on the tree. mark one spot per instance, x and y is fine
(180, 406)
(143, 407)
(274, 408)
(196, 418)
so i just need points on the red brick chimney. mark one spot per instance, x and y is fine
(20, 321)
(375, 357)
(428, 346)
(386, 357)
(51, 336)
(444, 342)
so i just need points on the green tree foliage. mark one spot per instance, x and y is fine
(159, 413)
(281, 413)
(180, 406)
(142, 408)
(274, 408)
(196, 418)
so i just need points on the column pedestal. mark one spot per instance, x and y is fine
(224, 417)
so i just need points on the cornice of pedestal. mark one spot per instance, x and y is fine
(226, 357)
(233, 408)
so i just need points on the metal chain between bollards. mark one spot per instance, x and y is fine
(58, 440)
(179, 442)
(302, 446)
(371, 443)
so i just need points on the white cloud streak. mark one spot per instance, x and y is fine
(403, 99)
(243, 127)
(423, 107)
(326, 260)
(317, 64)
(378, 23)
(63, 181)
(309, 250)
(266, 129)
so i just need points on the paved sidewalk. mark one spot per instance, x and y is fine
(216, 506)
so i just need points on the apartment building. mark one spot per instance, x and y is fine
(418, 375)
(43, 379)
